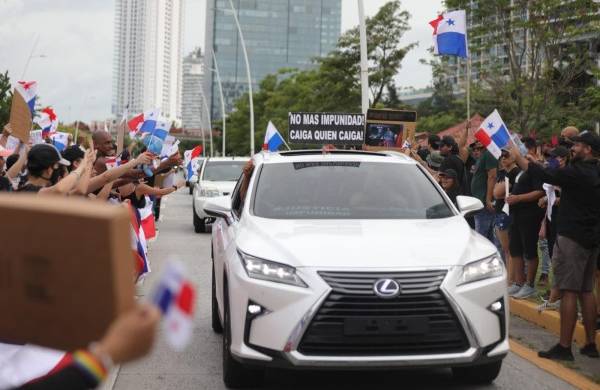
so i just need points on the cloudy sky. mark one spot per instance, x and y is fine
(72, 60)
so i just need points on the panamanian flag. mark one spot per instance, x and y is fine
(493, 134)
(450, 34)
(273, 140)
(28, 91)
(48, 122)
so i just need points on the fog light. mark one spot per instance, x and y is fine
(254, 309)
(496, 306)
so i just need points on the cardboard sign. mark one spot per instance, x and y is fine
(66, 269)
(326, 128)
(120, 138)
(20, 118)
(389, 129)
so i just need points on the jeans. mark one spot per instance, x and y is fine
(484, 225)
(543, 246)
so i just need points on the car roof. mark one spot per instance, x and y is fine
(231, 158)
(333, 155)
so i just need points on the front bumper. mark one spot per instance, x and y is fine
(273, 337)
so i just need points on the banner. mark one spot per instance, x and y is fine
(326, 128)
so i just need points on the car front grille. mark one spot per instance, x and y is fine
(433, 327)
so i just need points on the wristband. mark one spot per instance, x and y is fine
(90, 365)
(106, 360)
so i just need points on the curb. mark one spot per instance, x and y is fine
(552, 367)
(547, 319)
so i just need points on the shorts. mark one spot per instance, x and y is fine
(524, 234)
(573, 265)
(502, 221)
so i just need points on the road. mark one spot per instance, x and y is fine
(199, 366)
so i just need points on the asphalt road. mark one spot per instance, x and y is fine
(199, 366)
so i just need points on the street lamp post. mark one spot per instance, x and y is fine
(364, 66)
(216, 70)
(245, 52)
(209, 124)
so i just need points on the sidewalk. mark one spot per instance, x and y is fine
(539, 331)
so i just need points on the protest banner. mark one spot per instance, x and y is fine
(389, 129)
(326, 128)
(36, 137)
(20, 120)
(67, 270)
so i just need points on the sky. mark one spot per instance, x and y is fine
(70, 43)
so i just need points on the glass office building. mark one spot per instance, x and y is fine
(278, 34)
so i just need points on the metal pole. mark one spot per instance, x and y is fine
(364, 66)
(209, 124)
(468, 88)
(224, 118)
(251, 98)
(35, 43)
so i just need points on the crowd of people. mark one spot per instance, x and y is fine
(539, 202)
(91, 169)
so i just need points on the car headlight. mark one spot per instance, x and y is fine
(209, 192)
(271, 271)
(490, 267)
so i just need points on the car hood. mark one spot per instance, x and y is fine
(222, 186)
(363, 243)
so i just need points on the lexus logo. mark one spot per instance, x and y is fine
(386, 288)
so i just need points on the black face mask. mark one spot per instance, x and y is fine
(56, 174)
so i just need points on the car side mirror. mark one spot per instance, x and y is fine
(219, 207)
(194, 179)
(467, 205)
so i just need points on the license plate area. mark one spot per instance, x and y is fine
(386, 326)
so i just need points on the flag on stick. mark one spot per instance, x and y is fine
(493, 134)
(450, 34)
(273, 140)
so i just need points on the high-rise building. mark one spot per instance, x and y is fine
(192, 103)
(147, 56)
(278, 34)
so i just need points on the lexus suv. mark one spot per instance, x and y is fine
(216, 177)
(352, 260)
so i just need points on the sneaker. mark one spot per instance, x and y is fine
(547, 305)
(558, 352)
(543, 280)
(525, 292)
(590, 351)
(513, 289)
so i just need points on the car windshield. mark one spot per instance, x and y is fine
(347, 190)
(223, 170)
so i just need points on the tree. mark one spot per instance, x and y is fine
(531, 55)
(5, 98)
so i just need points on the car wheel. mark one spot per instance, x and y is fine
(216, 320)
(199, 225)
(485, 373)
(235, 374)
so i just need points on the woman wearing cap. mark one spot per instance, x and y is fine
(45, 166)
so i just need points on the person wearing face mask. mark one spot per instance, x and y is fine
(46, 167)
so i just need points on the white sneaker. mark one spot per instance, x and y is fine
(513, 289)
(547, 305)
(525, 292)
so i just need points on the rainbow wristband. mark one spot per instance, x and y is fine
(90, 364)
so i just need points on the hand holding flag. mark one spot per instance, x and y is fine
(493, 134)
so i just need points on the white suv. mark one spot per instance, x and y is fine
(353, 260)
(216, 177)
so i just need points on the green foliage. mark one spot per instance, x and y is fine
(334, 85)
(5, 98)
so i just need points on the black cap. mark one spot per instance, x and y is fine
(42, 156)
(559, 151)
(590, 139)
(448, 141)
(434, 140)
(73, 153)
(451, 173)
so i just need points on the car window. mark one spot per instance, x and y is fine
(222, 170)
(347, 190)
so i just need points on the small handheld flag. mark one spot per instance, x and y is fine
(493, 134)
(273, 140)
(450, 34)
(60, 140)
(47, 121)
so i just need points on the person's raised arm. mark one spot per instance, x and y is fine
(113, 174)
(144, 189)
(5, 133)
(17, 167)
(463, 150)
(65, 185)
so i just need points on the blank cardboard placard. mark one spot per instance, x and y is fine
(66, 269)
(20, 118)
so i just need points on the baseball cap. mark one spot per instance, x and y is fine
(559, 151)
(448, 141)
(435, 159)
(590, 139)
(434, 140)
(43, 156)
(451, 173)
(73, 153)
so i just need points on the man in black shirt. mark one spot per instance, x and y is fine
(577, 244)
(449, 149)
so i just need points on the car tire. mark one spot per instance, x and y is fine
(235, 374)
(199, 225)
(482, 374)
(216, 320)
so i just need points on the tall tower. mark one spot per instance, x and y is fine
(147, 56)
(192, 110)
